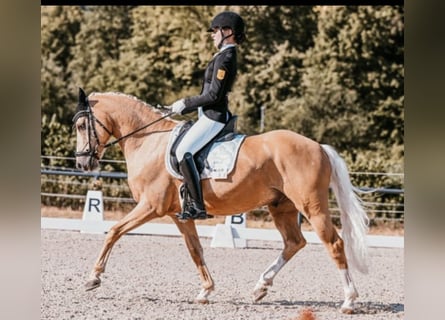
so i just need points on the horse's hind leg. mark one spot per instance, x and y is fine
(188, 231)
(320, 220)
(285, 216)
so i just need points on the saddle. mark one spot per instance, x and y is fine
(216, 159)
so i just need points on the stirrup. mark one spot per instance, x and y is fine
(194, 214)
(190, 208)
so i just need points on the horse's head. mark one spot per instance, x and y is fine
(89, 147)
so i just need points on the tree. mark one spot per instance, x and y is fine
(352, 82)
(163, 60)
(269, 62)
(98, 43)
(59, 25)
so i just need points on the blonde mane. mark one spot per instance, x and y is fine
(113, 93)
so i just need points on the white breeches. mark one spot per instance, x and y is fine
(198, 136)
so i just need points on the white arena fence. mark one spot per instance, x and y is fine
(233, 233)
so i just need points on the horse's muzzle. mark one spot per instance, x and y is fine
(87, 163)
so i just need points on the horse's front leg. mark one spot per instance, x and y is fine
(138, 216)
(188, 231)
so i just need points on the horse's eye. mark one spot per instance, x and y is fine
(81, 127)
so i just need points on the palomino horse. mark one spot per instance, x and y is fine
(280, 169)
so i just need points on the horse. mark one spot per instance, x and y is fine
(283, 170)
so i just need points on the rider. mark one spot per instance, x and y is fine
(227, 30)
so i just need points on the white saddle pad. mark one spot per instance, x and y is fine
(220, 160)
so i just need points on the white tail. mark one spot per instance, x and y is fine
(352, 214)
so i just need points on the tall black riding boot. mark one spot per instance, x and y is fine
(193, 205)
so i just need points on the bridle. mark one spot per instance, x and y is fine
(94, 153)
(91, 128)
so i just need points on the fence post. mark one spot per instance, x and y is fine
(93, 213)
(226, 235)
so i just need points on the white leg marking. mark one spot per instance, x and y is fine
(350, 291)
(266, 278)
(272, 270)
(203, 296)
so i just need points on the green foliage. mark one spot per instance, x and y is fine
(98, 42)
(352, 80)
(59, 25)
(158, 63)
(269, 73)
(332, 73)
(56, 140)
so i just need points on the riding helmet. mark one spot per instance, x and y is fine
(232, 20)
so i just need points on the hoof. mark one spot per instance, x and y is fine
(92, 284)
(348, 306)
(202, 296)
(202, 301)
(347, 310)
(259, 294)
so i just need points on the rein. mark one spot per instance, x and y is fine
(109, 144)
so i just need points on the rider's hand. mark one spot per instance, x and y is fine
(178, 106)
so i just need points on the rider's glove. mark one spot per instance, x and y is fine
(178, 106)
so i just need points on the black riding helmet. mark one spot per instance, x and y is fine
(232, 20)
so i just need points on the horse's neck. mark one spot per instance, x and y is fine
(148, 149)
(148, 140)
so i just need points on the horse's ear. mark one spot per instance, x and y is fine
(82, 104)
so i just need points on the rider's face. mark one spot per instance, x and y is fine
(216, 36)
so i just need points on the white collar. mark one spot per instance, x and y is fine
(225, 46)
